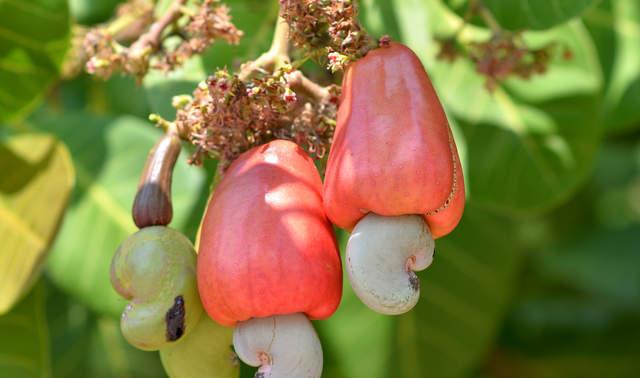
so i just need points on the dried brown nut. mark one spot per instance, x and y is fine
(152, 205)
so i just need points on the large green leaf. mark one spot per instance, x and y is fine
(519, 15)
(379, 18)
(109, 155)
(578, 313)
(34, 36)
(117, 96)
(577, 310)
(89, 12)
(160, 88)
(604, 264)
(529, 143)
(536, 14)
(615, 26)
(24, 345)
(558, 336)
(37, 178)
(600, 258)
(84, 344)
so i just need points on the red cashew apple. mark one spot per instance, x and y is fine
(268, 260)
(393, 177)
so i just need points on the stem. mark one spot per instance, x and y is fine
(280, 42)
(170, 128)
(129, 26)
(469, 12)
(300, 83)
(153, 37)
(121, 23)
(488, 18)
(276, 57)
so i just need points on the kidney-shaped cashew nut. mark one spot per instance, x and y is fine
(284, 346)
(382, 255)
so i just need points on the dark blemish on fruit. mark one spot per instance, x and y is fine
(259, 375)
(175, 319)
(414, 281)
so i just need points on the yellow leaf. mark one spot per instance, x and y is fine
(36, 178)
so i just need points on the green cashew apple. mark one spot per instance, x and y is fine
(205, 352)
(155, 269)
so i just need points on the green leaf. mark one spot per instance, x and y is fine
(24, 346)
(117, 96)
(160, 88)
(109, 154)
(34, 36)
(88, 12)
(379, 19)
(577, 312)
(603, 264)
(122, 95)
(615, 363)
(84, 344)
(37, 181)
(615, 27)
(530, 144)
(551, 335)
(535, 14)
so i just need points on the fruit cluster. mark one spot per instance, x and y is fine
(268, 262)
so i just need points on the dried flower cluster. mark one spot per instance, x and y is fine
(327, 27)
(226, 116)
(197, 29)
(212, 22)
(502, 56)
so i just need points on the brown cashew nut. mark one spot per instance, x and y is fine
(152, 205)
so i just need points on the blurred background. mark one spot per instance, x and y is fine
(541, 278)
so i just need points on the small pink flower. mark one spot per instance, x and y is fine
(289, 96)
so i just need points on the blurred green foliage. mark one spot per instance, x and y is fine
(541, 278)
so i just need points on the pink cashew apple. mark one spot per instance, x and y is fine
(393, 177)
(268, 260)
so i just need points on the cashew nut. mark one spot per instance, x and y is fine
(382, 255)
(284, 346)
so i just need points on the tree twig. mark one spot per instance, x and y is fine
(152, 38)
(488, 17)
(276, 57)
(300, 83)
